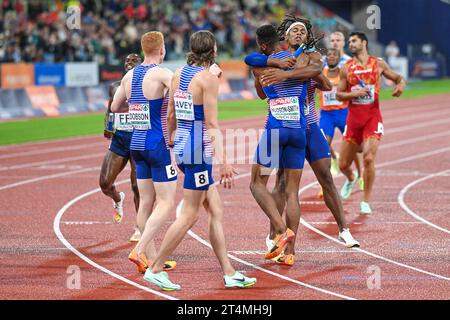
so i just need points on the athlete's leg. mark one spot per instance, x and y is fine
(322, 172)
(134, 185)
(165, 203)
(258, 187)
(214, 207)
(348, 152)
(146, 201)
(190, 212)
(293, 177)
(370, 148)
(112, 165)
(279, 195)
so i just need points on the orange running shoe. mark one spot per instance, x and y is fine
(286, 259)
(143, 263)
(280, 241)
(140, 260)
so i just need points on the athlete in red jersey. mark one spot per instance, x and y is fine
(360, 85)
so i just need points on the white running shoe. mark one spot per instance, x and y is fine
(346, 237)
(118, 208)
(136, 236)
(269, 242)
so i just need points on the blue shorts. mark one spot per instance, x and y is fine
(120, 143)
(196, 176)
(154, 164)
(282, 148)
(329, 120)
(316, 144)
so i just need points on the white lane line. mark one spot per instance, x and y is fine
(51, 150)
(306, 224)
(207, 244)
(39, 163)
(401, 200)
(52, 176)
(57, 230)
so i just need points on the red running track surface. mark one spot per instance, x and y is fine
(51, 209)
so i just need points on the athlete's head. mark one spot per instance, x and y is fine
(333, 57)
(152, 44)
(358, 42)
(203, 49)
(131, 61)
(337, 41)
(295, 31)
(267, 38)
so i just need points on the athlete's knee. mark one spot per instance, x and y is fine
(369, 160)
(256, 185)
(105, 184)
(344, 163)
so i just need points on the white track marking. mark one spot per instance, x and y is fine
(39, 163)
(51, 150)
(207, 244)
(306, 224)
(52, 176)
(57, 230)
(401, 200)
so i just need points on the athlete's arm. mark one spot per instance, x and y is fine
(258, 86)
(259, 60)
(107, 133)
(210, 84)
(400, 82)
(342, 94)
(171, 117)
(301, 72)
(120, 98)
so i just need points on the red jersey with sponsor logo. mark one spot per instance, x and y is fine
(370, 75)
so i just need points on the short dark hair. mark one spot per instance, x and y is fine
(362, 36)
(267, 34)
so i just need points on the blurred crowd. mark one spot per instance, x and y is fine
(37, 30)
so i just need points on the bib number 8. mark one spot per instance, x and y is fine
(170, 171)
(201, 179)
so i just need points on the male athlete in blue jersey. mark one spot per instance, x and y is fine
(145, 88)
(296, 32)
(282, 145)
(193, 113)
(116, 158)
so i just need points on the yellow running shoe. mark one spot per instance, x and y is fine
(334, 169)
(361, 184)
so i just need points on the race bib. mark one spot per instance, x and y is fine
(184, 105)
(201, 179)
(170, 171)
(329, 98)
(366, 99)
(285, 108)
(122, 122)
(139, 116)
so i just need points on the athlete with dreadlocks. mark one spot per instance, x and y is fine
(298, 32)
(282, 144)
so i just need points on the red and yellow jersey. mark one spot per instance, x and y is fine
(328, 100)
(369, 75)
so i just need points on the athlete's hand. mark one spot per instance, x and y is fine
(398, 90)
(227, 173)
(363, 92)
(272, 76)
(215, 70)
(285, 63)
(107, 134)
